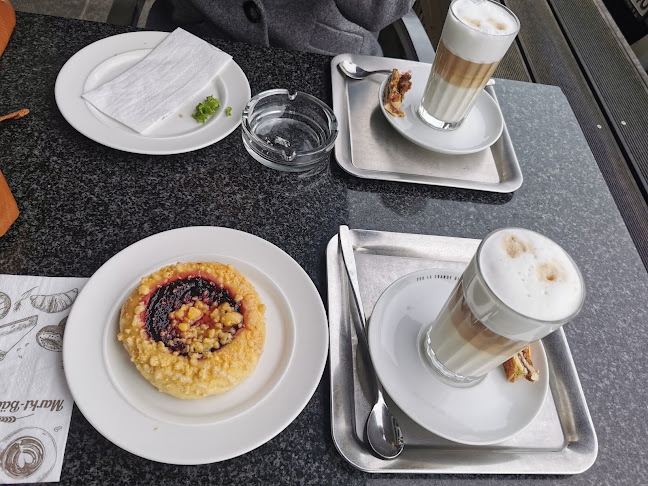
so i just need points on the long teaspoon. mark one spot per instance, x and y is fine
(383, 432)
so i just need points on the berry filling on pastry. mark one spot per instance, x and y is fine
(192, 315)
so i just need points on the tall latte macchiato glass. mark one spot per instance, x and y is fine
(519, 287)
(475, 37)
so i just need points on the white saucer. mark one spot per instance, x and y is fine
(481, 129)
(487, 413)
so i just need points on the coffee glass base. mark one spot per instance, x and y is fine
(442, 373)
(435, 122)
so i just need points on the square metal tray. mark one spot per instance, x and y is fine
(367, 145)
(560, 440)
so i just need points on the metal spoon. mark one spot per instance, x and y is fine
(354, 71)
(383, 432)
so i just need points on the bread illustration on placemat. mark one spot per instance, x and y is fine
(51, 337)
(51, 304)
(13, 332)
(5, 305)
(55, 302)
(24, 296)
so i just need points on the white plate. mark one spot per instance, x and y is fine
(131, 413)
(487, 413)
(107, 58)
(482, 127)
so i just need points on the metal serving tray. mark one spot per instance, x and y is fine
(560, 440)
(367, 145)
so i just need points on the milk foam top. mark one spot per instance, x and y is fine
(479, 31)
(531, 274)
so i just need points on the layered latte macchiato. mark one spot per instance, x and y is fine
(475, 37)
(519, 287)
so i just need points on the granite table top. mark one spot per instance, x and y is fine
(82, 202)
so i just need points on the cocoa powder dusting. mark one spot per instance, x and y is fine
(498, 25)
(549, 272)
(513, 246)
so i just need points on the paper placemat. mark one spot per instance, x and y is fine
(35, 403)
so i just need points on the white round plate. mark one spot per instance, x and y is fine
(481, 128)
(133, 414)
(487, 413)
(106, 59)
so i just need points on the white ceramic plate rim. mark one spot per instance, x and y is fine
(434, 139)
(72, 78)
(428, 417)
(107, 409)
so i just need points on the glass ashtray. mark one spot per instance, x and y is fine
(289, 132)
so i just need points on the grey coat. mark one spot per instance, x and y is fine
(321, 26)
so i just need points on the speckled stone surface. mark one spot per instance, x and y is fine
(81, 203)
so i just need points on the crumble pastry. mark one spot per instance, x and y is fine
(521, 366)
(194, 329)
(397, 85)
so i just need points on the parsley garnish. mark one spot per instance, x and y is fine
(206, 109)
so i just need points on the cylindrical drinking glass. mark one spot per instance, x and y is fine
(476, 35)
(519, 287)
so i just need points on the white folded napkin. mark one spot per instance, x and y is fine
(178, 68)
(35, 402)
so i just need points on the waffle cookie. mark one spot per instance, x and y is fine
(397, 85)
(521, 366)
